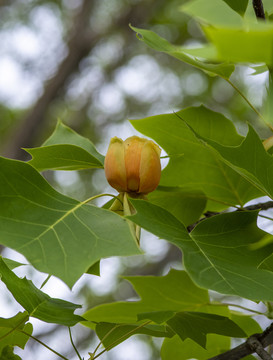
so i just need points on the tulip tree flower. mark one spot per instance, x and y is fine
(133, 166)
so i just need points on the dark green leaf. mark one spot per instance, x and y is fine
(158, 43)
(8, 354)
(217, 253)
(66, 150)
(156, 316)
(10, 334)
(196, 326)
(193, 166)
(58, 235)
(37, 303)
(113, 334)
(173, 292)
(239, 6)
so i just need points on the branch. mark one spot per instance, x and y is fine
(259, 9)
(260, 206)
(254, 344)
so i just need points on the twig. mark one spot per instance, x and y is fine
(260, 206)
(253, 344)
(259, 9)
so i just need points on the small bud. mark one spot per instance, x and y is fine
(133, 165)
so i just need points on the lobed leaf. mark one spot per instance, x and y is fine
(58, 235)
(65, 150)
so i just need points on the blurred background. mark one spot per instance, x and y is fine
(78, 61)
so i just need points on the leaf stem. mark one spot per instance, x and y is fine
(104, 337)
(122, 337)
(98, 196)
(72, 342)
(238, 306)
(42, 343)
(245, 98)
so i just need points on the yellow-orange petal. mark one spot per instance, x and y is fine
(114, 165)
(133, 149)
(150, 167)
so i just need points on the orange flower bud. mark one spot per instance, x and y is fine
(133, 165)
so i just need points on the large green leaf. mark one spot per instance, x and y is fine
(173, 292)
(192, 165)
(57, 234)
(217, 253)
(158, 43)
(37, 303)
(196, 326)
(250, 160)
(65, 150)
(10, 331)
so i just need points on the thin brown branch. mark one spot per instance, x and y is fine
(254, 344)
(260, 206)
(259, 9)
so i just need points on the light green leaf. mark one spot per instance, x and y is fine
(196, 326)
(37, 303)
(12, 264)
(113, 334)
(216, 12)
(175, 348)
(199, 169)
(250, 42)
(246, 322)
(173, 292)
(65, 150)
(185, 205)
(10, 334)
(217, 252)
(158, 43)
(58, 235)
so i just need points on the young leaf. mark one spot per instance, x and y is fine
(158, 43)
(173, 292)
(217, 253)
(199, 169)
(65, 150)
(10, 334)
(196, 326)
(58, 235)
(238, 6)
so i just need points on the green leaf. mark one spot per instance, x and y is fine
(247, 323)
(65, 150)
(113, 334)
(250, 160)
(185, 205)
(58, 235)
(10, 334)
(12, 264)
(173, 292)
(8, 354)
(196, 326)
(37, 303)
(175, 348)
(250, 42)
(216, 12)
(158, 43)
(199, 169)
(217, 253)
(238, 6)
